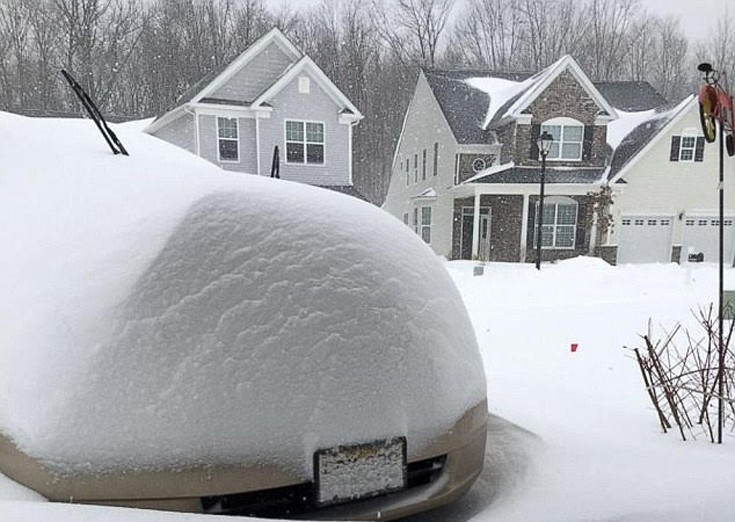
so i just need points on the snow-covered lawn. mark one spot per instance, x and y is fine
(601, 455)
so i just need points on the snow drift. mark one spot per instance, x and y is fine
(157, 311)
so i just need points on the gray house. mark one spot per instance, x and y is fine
(271, 95)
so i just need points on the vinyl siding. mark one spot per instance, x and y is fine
(180, 132)
(290, 104)
(259, 74)
(425, 124)
(208, 144)
(656, 185)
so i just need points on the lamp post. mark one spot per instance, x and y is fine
(544, 143)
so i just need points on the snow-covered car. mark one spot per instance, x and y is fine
(174, 336)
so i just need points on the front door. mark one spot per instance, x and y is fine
(468, 217)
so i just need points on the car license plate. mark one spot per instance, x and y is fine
(358, 471)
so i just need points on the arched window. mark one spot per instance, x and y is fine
(560, 222)
(568, 135)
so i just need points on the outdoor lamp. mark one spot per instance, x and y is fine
(544, 146)
(544, 143)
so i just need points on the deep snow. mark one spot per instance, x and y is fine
(597, 453)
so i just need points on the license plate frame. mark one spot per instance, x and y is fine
(353, 472)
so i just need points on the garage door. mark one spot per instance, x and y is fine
(701, 233)
(645, 239)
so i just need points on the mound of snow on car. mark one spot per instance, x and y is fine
(158, 311)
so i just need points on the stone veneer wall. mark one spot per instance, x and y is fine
(505, 226)
(582, 239)
(563, 97)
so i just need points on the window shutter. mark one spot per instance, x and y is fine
(589, 133)
(581, 226)
(699, 149)
(675, 144)
(535, 133)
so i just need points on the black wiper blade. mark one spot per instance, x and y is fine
(110, 137)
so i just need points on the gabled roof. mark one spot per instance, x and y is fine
(272, 36)
(202, 91)
(463, 105)
(306, 63)
(631, 96)
(466, 96)
(645, 135)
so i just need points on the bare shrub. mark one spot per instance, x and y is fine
(681, 370)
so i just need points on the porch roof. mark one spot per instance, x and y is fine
(532, 175)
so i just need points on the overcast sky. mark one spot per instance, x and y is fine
(695, 15)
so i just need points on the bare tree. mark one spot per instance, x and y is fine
(413, 28)
(488, 34)
(607, 38)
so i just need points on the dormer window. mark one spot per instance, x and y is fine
(568, 135)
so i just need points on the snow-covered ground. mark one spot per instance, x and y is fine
(595, 451)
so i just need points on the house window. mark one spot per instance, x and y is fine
(416, 220)
(687, 148)
(405, 218)
(408, 171)
(304, 84)
(560, 223)
(305, 142)
(426, 224)
(568, 136)
(423, 166)
(228, 144)
(415, 168)
(436, 158)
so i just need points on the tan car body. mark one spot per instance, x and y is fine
(181, 489)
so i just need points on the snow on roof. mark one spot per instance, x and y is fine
(489, 171)
(634, 139)
(626, 122)
(148, 298)
(500, 91)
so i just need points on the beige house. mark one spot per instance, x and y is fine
(665, 180)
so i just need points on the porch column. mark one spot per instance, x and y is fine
(524, 229)
(476, 228)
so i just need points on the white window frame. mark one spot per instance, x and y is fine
(691, 150)
(305, 142)
(555, 226)
(304, 84)
(558, 144)
(220, 139)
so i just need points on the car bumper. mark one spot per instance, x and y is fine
(454, 461)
